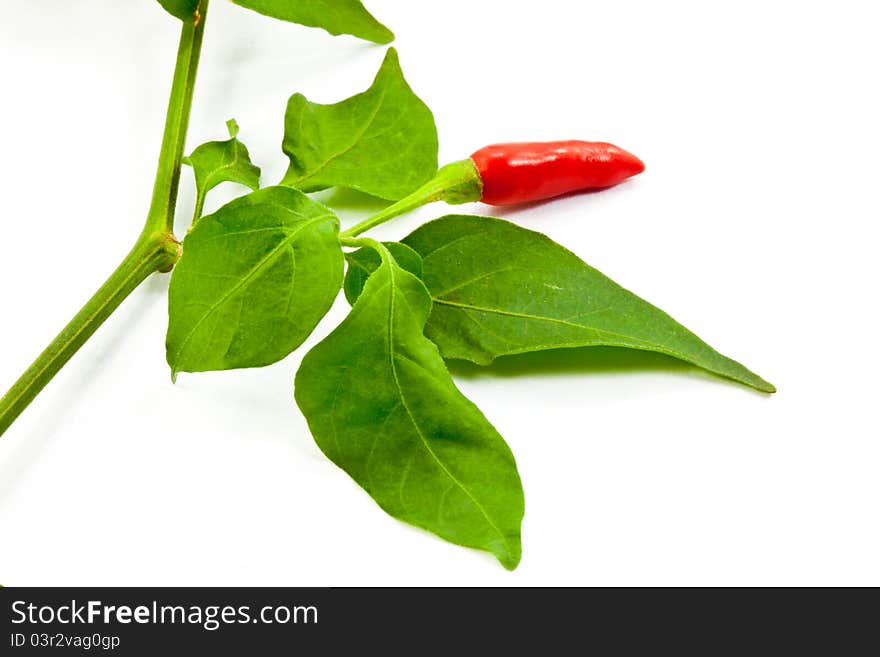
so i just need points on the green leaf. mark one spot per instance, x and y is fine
(363, 262)
(185, 10)
(382, 141)
(499, 289)
(382, 406)
(254, 280)
(335, 16)
(216, 162)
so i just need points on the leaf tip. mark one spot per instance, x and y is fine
(758, 383)
(390, 65)
(391, 56)
(386, 37)
(510, 555)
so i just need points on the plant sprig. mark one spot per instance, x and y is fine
(252, 280)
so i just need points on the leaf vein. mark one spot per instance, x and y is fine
(348, 148)
(247, 279)
(412, 419)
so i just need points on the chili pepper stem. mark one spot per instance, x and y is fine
(156, 250)
(455, 183)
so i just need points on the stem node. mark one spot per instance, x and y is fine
(156, 250)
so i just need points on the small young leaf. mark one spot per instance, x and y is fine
(335, 16)
(222, 161)
(185, 10)
(363, 262)
(382, 141)
(254, 280)
(382, 406)
(499, 289)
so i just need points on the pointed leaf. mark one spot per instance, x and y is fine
(254, 280)
(499, 289)
(363, 262)
(216, 162)
(382, 142)
(335, 16)
(382, 406)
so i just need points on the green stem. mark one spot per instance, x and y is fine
(161, 215)
(356, 242)
(155, 250)
(199, 207)
(455, 183)
(144, 259)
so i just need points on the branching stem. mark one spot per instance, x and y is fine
(156, 250)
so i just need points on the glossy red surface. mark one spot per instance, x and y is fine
(532, 171)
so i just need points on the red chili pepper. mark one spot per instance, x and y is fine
(506, 174)
(523, 172)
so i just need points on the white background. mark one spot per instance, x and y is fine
(755, 225)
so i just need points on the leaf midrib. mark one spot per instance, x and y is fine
(540, 318)
(630, 342)
(412, 419)
(247, 278)
(229, 165)
(620, 337)
(348, 148)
